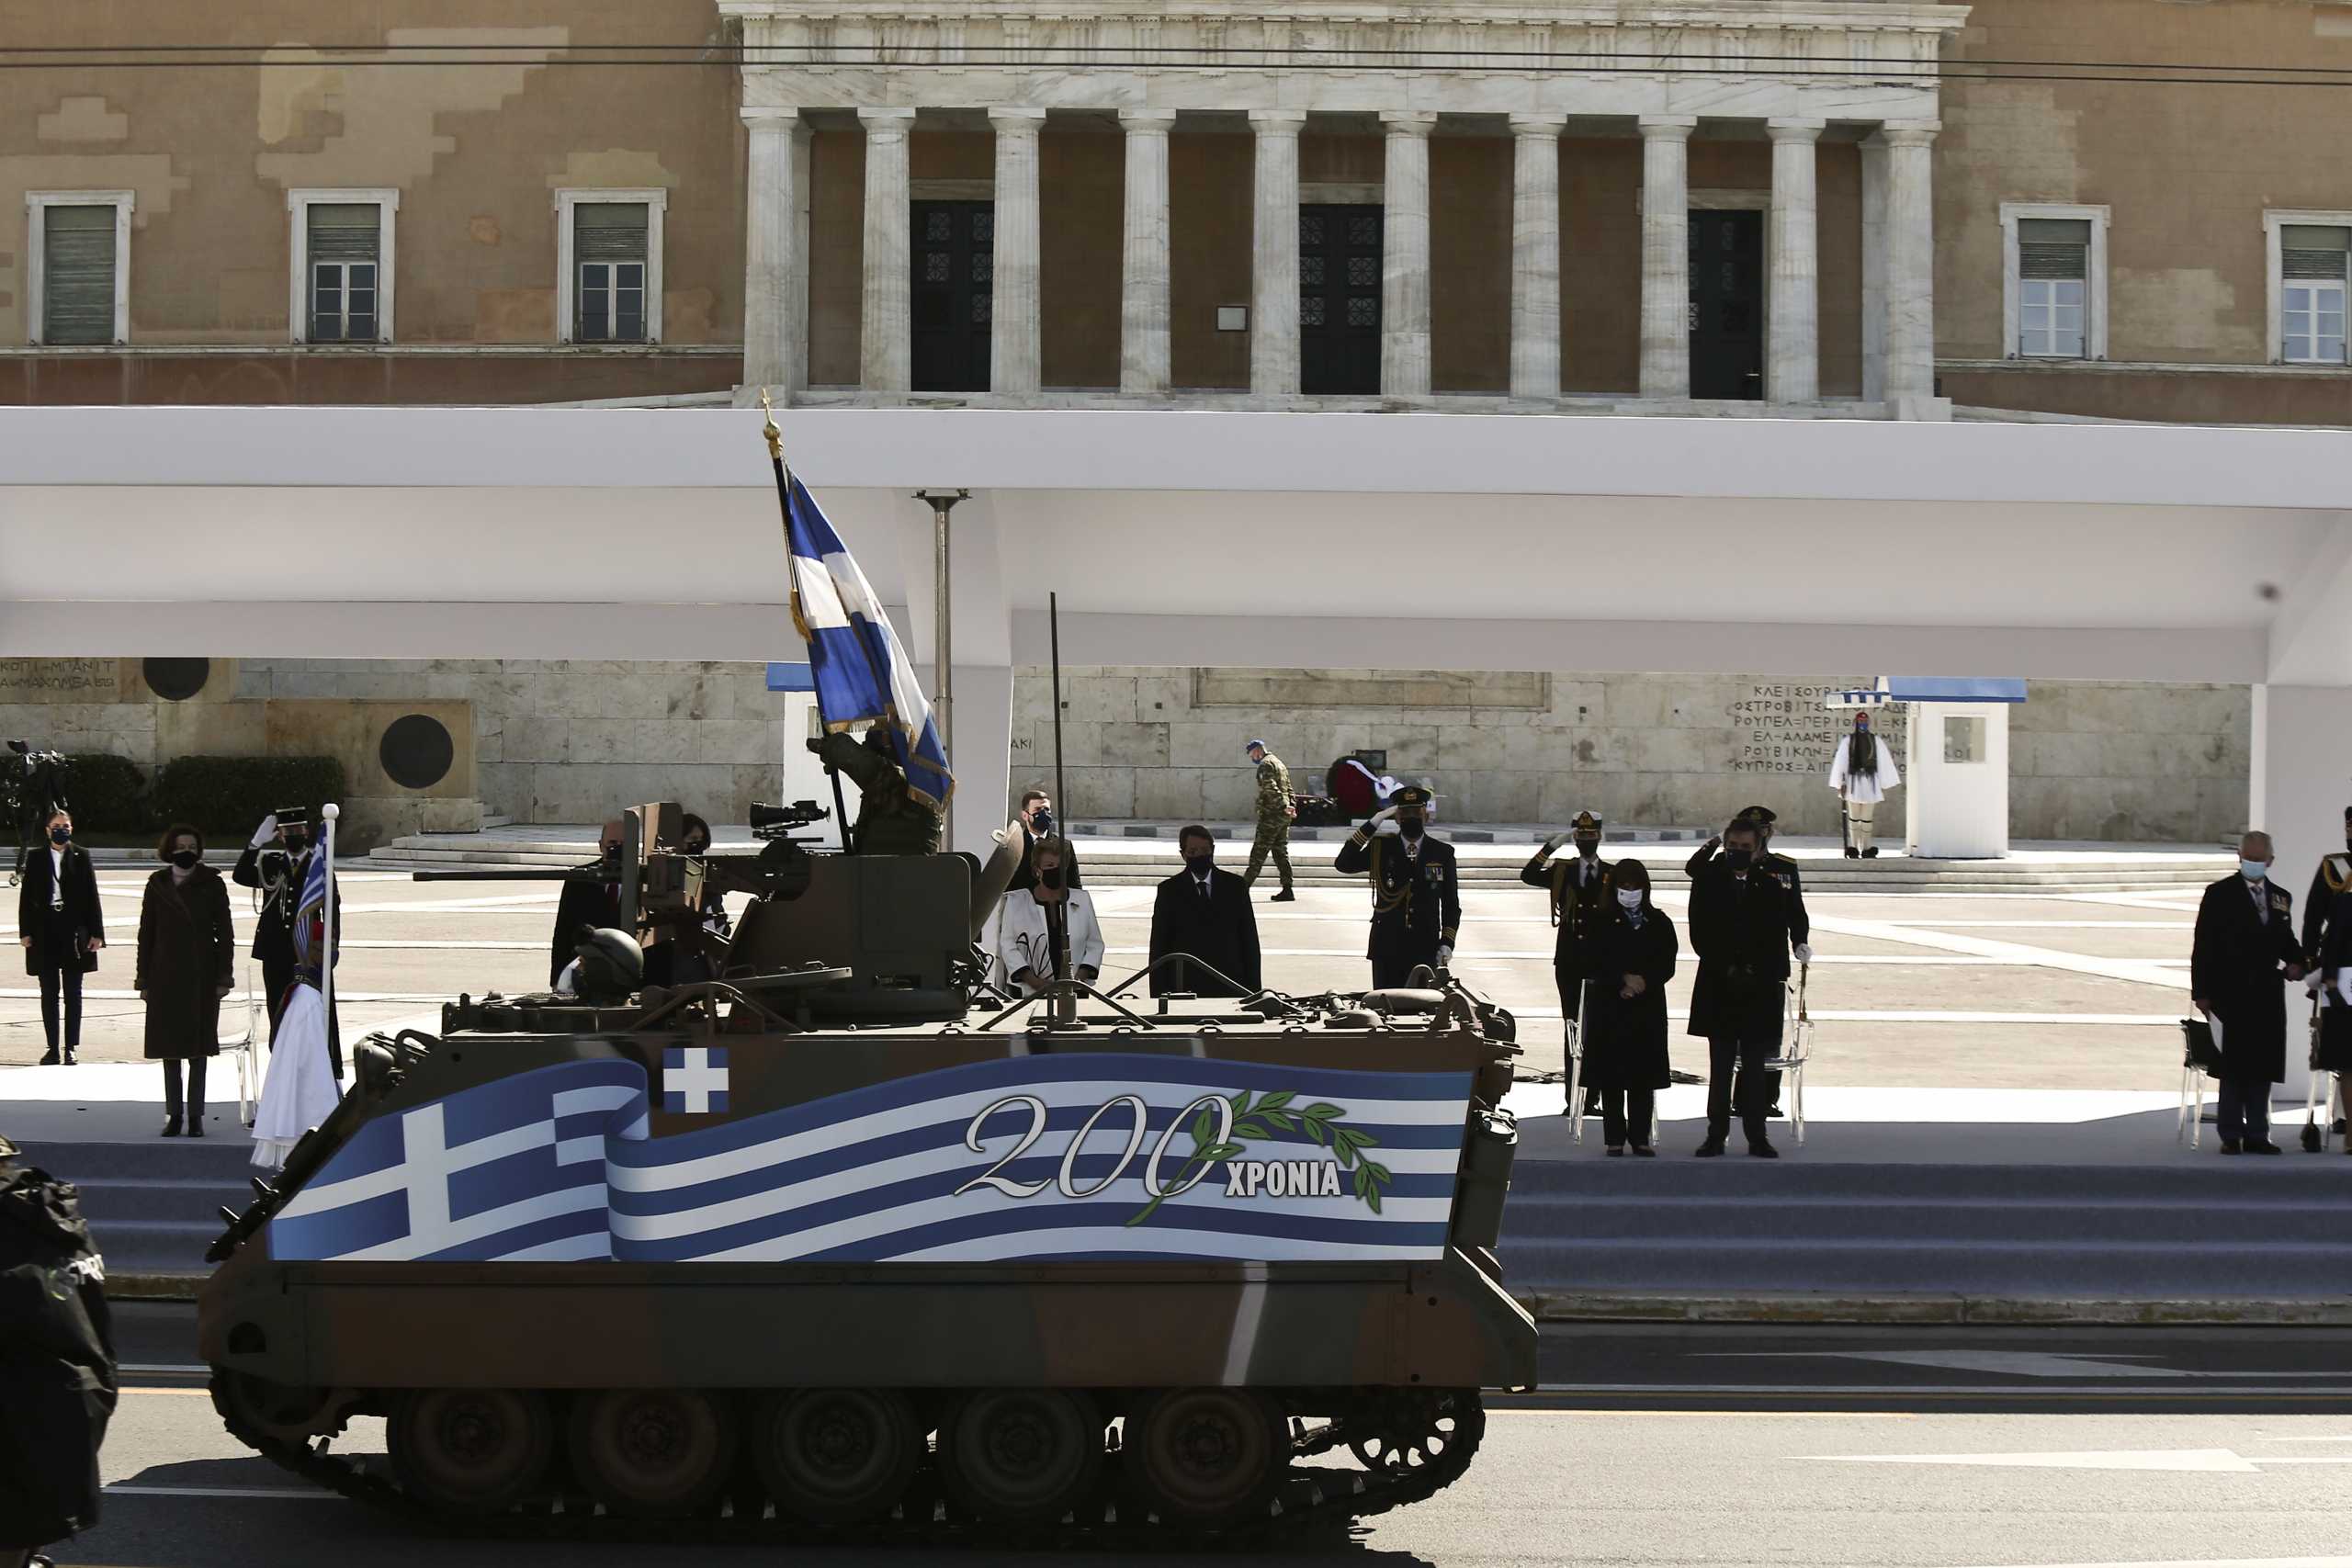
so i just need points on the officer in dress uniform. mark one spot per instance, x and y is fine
(2321, 917)
(1416, 897)
(275, 863)
(1761, 818)
(1579, 888)
(2244, 941)
(1742, 926)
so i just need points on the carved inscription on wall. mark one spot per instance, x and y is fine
(1280, 690)
(60, 680)
(1783, 728)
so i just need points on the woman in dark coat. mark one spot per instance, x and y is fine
(1624, 1033)
(187, 960)
(60, 926)
(2335, 1017)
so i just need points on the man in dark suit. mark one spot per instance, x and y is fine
(1416, 895)
(2246, 943)
(592, 904)
(1742, 921)
(1204, 913)
(59, 925)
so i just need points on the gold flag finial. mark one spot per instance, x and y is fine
(775, 436)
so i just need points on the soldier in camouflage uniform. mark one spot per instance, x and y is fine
(1274, 813)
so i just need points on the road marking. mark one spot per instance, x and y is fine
(2221, 1462)
(1687, 1414)
(149, 1367)
(125, 1489)
(2215, 1562)
(2009, 1363)
(180, 1392)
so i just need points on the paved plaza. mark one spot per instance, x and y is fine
(2041, 990)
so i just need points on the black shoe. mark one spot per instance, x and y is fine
(1284, 897)
(196, 1124)
(2260, 1146)
(2336, 1126)
(1762, 1149)
(1645, 1151)
(1616, 1151)
(1870, 853)
(1853, 853)
(49, 1058)
(171, 1126)
(2229, 1146)
(1774, 1113)
(1710, 1148)
(71, 1059)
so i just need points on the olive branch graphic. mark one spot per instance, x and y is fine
(1270, 1114)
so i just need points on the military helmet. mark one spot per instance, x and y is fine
(610, 967)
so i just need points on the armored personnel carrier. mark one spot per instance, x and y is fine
(826, 1237)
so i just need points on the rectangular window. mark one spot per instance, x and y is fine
(610, 246)
(2312, 274)
(2053, 273)
(78, 265)
(343, 242)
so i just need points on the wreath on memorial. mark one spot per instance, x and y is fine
(1269, 1114)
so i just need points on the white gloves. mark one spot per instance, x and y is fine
(267, 831)
(1552, 844)
(1805, 953)
(1386, 830)
(2314, 981)
(1386, 814)
(1444, 955)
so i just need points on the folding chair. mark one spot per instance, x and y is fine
(1797, 1033)
(2201, 1058)
(1574, 1109)
(249, 1067)
(2320, 1095)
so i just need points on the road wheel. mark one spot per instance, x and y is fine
(1208, 1456)
(471, 1450)
(1021, 1455)
(653, 1452)
(836, 1456)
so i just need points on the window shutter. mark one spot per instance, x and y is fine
(2055, 248)
(77, 275)
(2310, 251)
(609, 230)
(345, 231)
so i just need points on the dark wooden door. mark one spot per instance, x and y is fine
(952, 295)
(1727, 304)
(1339, 301)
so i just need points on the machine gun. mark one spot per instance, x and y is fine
(32, 790)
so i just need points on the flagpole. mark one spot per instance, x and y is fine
(784, 502)
(1065, 994)
(327, 814)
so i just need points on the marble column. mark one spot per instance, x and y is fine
(1273, 263)
(1404, 255)
(1535, 258)
(1910, 262)
(1873, 152)
(1666, 255)
(886, 355)
(1015, 311)
(774, 352)
(1144, 361)
(1793, 310)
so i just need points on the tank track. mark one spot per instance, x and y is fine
(1308, 1499)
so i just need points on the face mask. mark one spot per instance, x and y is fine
(1740, 859)
(186, 859)
(1410, 827)
(2254, 870)
(698, 849)
(1589, 849)
(297, 842)
(60, 835)
(1631, 898)
(1199, 864)
(1043, 823)
(1051, 878)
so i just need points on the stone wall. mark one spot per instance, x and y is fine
(2089, 760)
(566, 741)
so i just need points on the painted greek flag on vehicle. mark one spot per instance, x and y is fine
(1090, 1156)
(860, 671)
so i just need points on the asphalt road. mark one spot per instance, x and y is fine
(1886, 1449)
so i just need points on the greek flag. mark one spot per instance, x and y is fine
(311, 911)
(1089, 1155)
(861, 672)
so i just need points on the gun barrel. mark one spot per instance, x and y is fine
(521, 874)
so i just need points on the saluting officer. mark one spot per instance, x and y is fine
(1579, 888)
(1741, 926)
(2333, 877)
(1761, 818)
(1416, 897)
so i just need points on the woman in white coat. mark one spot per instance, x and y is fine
(1030, 921)
(1862, 773)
